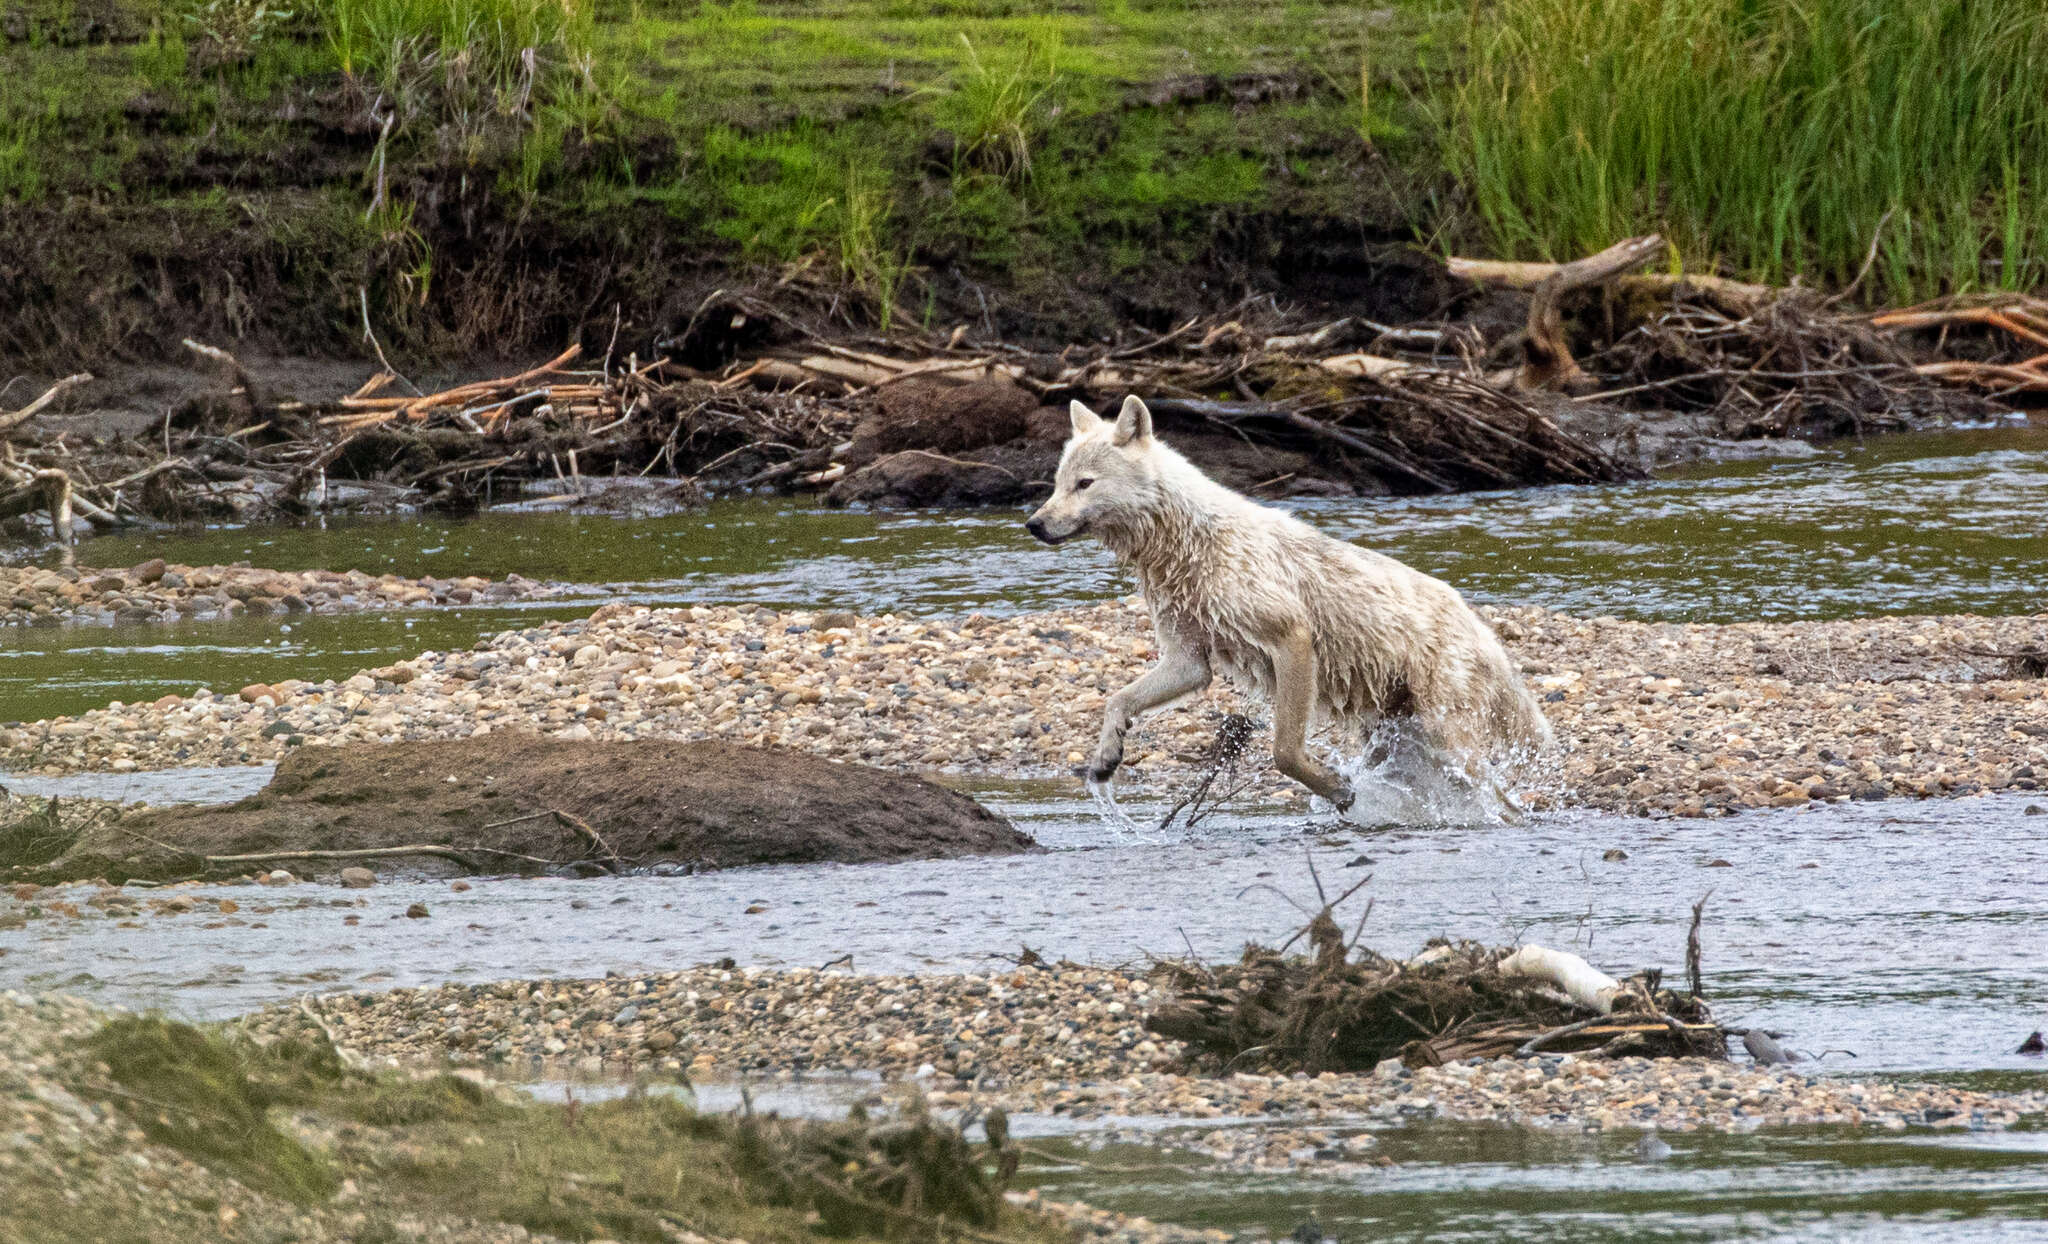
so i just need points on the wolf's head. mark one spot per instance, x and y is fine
(1108, 476)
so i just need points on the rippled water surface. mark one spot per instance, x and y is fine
(1905, 932)
(1909, 525)
(1472, 1183)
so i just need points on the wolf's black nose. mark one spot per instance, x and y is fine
(1036, 526)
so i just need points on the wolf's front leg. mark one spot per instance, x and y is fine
(1181, 671)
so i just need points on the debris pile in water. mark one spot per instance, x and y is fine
(1348, 1008)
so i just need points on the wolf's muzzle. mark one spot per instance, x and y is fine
(1036, 527)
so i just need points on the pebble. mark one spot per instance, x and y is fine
(1822, 711)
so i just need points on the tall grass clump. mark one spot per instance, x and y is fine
(1771, 139)
(998, 108)
(499, 45)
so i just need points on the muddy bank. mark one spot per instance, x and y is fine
(156, 591)
(1654, 717)
(513, 802)
(1070, 1040)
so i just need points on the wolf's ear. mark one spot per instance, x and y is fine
(1084, 419)
(1133, 423)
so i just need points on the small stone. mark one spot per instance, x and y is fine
(358, 878)
(258, 690)
(418, 911)
(1614, 854)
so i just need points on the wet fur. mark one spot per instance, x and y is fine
(1325, 630)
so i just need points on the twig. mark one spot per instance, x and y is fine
(581, 826)
(1692, 945)
(363, 301)
(363, 853)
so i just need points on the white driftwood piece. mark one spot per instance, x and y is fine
(1581, 981)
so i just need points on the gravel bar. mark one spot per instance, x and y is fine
(157, 591)
(1067, 1041)
(1655, 717)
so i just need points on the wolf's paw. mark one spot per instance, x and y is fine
(1104, 765)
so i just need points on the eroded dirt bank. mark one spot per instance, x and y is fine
(1690, 719)
(517, 802)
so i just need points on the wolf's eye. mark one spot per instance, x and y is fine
(1082, 485)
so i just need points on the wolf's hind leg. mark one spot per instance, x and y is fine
(1294, 700)
(1181, 671)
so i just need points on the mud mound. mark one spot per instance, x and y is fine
(946, 418)
(521, 803)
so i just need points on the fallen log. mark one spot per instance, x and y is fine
(1581, 981)
(1735, 297)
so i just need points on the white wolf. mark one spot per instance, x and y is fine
(1327, 631)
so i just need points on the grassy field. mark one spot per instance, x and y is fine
(903, 149)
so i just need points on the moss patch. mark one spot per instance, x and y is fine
(634, 1168)
(197, 1095)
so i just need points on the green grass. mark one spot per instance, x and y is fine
(195, 1094)
(1767, 139)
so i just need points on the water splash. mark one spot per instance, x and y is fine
(1103, 795)
(1399, 777)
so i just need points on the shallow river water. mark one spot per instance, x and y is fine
(1906, 933)
(1909, 933)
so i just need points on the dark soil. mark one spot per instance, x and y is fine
(520, 803)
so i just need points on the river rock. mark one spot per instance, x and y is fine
(358, 878)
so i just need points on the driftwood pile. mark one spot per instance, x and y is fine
(1343, 1007)
(1429, 406)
